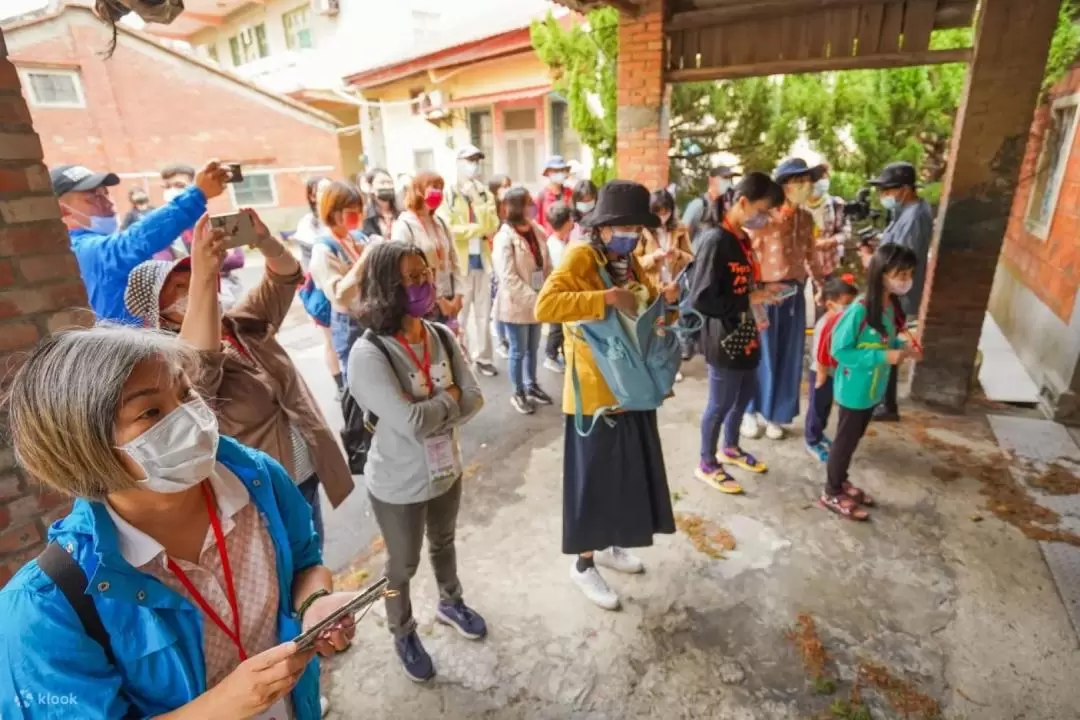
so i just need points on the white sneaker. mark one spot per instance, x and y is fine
(324, 705)
(774, 431)
(553, 366)
(594, 587)
(678, 377)
(619, 560)
(750, 428)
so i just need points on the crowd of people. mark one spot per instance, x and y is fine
(194, 449)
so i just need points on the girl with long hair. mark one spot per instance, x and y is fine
(866, 344)
(383, 210)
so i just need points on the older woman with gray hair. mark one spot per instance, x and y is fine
(187, 564)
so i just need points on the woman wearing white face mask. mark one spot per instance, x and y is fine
(784, 248)
(261, 398)
(832, 230)
(187, 563)
(583, 200)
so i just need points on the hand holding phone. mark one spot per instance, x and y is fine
(361, 601)
(238, 227)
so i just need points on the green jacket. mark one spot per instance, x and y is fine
(862, 372)
(482, 225)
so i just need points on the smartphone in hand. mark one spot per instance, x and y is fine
(239, 227)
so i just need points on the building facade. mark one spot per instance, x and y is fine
(483, 86)
(149, 106)
(1035, 299)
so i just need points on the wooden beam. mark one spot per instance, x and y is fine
(795, 67)
(949, 11)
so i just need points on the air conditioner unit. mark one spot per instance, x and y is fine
(326, 7)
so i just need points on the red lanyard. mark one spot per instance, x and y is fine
(748, 250)
(236, 344)
(234, 633)
(424, 366)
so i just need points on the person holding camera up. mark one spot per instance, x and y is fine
(262, 400)
(106, 254)
(912, 227)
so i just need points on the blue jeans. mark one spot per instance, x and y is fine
(779, 373)
(818, 410)
(501, 332)
(524, 346)
(310, 490)
(344, 331)
(729, 394)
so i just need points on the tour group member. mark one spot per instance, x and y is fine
(665, 252)
(582, 202)
(912, 227)
(784, 249)
(474, 220)
(259, 395)
(420, 225)
(310, 226)
(561, 219)
(725, 286)
(383, 210)
(106, 255)
(413, 376)
(335, 266)
(197, 554)
(140, 205)
(721, 184)
(556, 172)
(615, 490)
(521, 265)
(837, 294)
(866, 343)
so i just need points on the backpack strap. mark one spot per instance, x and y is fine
(330, 244)
(61, 568)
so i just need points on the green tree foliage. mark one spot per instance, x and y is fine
(860, 120)
(582, 62)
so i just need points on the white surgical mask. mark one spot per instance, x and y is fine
(470, 169)
(821, 187)
(888, 202)
(723, 186)
(100, 224)
(586, 206)
(180, 451)
(899, 287)
(171, 193)
(557, 178)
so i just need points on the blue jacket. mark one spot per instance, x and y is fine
(50, 668)
(105, 261)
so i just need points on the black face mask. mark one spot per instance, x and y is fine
(386, 195)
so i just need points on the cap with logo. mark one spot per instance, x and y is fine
(78, 178)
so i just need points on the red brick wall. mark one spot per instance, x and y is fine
(642, 138)
(1050, 268)
(38, 281)
(146, 108)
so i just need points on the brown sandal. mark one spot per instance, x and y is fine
(858, 495)
(844, 506)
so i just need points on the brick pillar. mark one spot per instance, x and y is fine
(642, 119)
(38, 280)
(1011, 46)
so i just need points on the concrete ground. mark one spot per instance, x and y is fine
(948, 609)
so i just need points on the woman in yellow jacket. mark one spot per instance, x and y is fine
(615, 491)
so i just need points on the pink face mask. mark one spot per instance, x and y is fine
(433, 198)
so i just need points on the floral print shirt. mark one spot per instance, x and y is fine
(785, 247)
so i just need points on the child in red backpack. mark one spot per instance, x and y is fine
(837, 295)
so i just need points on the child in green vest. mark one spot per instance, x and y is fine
(865, 343)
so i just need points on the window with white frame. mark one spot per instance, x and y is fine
(54, 88)
(249, 45)
(297, 23)
(255, 190)
(1057, 141)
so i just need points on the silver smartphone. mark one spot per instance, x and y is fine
(239, 227)
(368, 596)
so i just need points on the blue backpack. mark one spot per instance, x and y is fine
(315, 301)
(638, 359)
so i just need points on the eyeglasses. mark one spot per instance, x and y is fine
(419, 277)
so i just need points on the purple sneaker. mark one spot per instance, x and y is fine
(459, 616)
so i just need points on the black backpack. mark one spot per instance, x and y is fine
(359, 427)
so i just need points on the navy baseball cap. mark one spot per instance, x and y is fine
(78, 178)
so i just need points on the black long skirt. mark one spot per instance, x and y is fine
(615, 489)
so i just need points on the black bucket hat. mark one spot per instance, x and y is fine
(796, 167)
(621, 202)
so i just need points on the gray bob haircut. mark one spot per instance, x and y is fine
(63, 403)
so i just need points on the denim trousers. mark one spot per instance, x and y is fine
(310, 490)
(818, 409)
(729, 394)
(524, 347)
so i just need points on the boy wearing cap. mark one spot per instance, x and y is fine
(556, 170)
(106, 254)
(913, 227)
(473, 216)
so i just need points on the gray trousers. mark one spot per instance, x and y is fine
(403, 528)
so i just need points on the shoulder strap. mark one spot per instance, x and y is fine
(330, 244)
(445, 339)
(375, 340)
(62, 569)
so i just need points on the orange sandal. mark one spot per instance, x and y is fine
(844, 506)
(858, 495)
